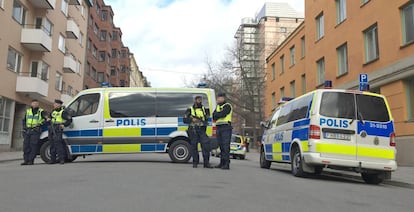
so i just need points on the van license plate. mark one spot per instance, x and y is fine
(338, 136)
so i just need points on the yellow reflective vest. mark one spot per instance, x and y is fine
(57, 117)
(34, 120)
(227, 119)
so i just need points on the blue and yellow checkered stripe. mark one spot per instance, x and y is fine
(117, 148)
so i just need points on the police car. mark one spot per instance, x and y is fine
(132, 120)
(237, 148)
(328, 128)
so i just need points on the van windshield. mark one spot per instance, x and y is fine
(342, 105)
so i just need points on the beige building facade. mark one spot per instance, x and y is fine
(137, 78)
(42, 55)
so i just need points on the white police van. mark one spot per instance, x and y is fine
(338, 129)
(132, 120)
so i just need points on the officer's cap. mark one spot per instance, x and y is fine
(58, 101)
(221, 95)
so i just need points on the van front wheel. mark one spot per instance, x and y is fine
(265, 164)
(45, 152)
(179, 151)
(297, 164)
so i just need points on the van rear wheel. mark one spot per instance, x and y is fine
(297, 164)
(373, 179)
(179, 151)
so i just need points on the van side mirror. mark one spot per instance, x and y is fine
(264, 124)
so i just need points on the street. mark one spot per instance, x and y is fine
(150, 182)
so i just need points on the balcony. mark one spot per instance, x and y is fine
(43, 4)
(72, 30)
(69, 64)
(65, 98)
(32, 85)
(74, 2)
(36, 39)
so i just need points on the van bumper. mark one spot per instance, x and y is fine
(317, 159)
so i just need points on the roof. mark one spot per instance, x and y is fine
(278, 9)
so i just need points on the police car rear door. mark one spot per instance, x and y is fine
(338, 125)
(375, 129)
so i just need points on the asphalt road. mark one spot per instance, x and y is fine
(150, 182)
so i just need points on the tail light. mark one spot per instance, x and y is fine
(314, 132)
(392, 139)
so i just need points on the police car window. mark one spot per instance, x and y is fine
(284, 114)
(372, 108)
(127, 104)
(338, 105)
(274, 118)
(175, 104)
(84, 105)
(300, 108)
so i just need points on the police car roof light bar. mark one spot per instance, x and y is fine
(328, 84)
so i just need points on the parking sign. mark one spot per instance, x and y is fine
(363, 78)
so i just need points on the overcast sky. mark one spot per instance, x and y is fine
(171, 38)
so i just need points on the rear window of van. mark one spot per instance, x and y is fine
(345, 105)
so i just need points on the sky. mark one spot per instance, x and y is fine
(171, 39)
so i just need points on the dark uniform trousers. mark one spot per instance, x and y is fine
(198, 135)
(57, 144)
(31, 144)
(223, 138)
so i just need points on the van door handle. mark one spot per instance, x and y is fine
(93, 121)
(109, 120)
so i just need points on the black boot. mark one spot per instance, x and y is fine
(226, 166)
(194, 165)
(24, 163)
(207, 165)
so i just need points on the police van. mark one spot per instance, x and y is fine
(329, 128)
(131, 120)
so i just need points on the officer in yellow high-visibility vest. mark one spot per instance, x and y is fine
(59, 120)
(223, 116)
(197, 118)
(32, 122)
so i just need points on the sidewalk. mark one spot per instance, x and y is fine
(10, 156)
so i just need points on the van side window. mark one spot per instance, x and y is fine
(284, 114)
(274, 118)
(84, 105)
(130, 104)
(300, 108)
(175, 104)
(338, 105)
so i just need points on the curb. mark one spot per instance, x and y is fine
(386, 182)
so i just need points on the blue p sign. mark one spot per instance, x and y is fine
(363, 78)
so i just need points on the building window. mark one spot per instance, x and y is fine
(44, 24)
(122, 83)
(93, 73)
(90, 21)
(273, 71)
(104, 15)
(70, 90)
(340, 11)
(96, 29)
(62, 45)
(94, 51)
(303, 83)
(6, 107)
(410, 99)
(274, 104)
(58, 82)
(81, 38)
(123, 68)
(88, 44)
(19, 13)
(302, 42)
(282, 64)
(87, 68)
(101, 56)
(320, 27)
(371, 43)
(320, 65)
(342, 53)
(407, 14)
(365, 1)
(292, 89)
(283, 29)
(14, 60)
(123, 54)
(82, 9)
(113, 53)
(40, 70)
(44, 74)
(103, 35)
(63, 87)
(292, 56)
(101, 77)
(282, 92)
(1, 4)
(113, 71)
(78, 67)
(114, 35)
(64, 7)
(98, 9)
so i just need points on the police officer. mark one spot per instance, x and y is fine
(32, 122)
(247, 140)
(59, 120)
(197, 116)
(223, 115)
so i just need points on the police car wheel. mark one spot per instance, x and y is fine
(179, 151)
(296, 164)
(373, 179)
(242, 157)
(45, 152)
(265, 164)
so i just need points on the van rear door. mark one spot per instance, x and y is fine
(375, 129)
(338, 126)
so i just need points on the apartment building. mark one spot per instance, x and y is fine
(42, 52)
(107, 57)
(341, 39)
(137, 77)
